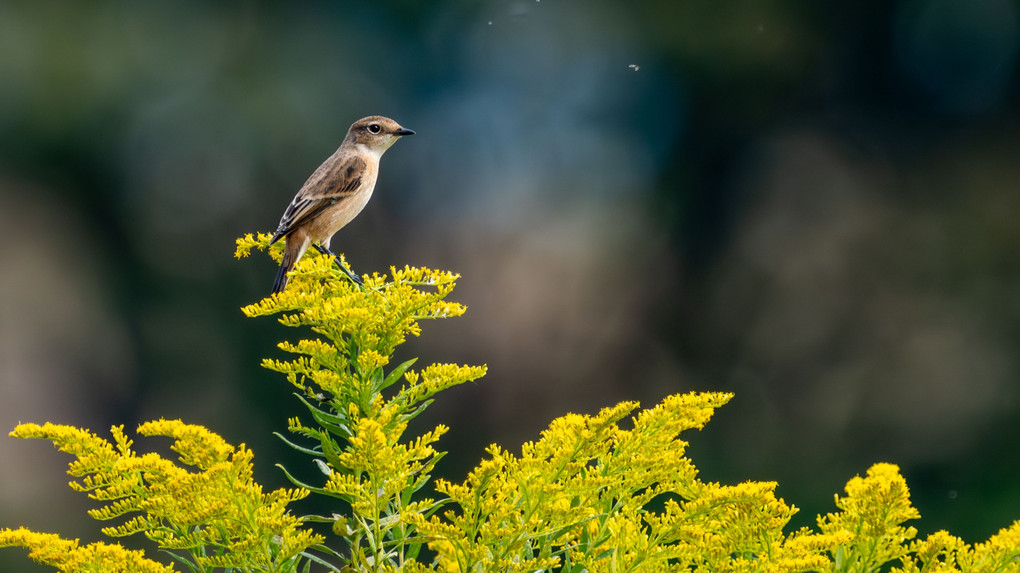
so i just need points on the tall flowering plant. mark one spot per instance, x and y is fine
(612, 492)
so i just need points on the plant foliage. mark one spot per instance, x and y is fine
(611, 492)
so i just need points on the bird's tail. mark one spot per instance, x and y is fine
(286, 265)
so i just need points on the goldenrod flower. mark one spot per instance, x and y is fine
(215, 511)
(68, 555)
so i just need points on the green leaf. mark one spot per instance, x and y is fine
(314, 558)
(311, 488)
(407, 416)
(302, 449)
(330, 422)
(182, 559)
(395, 374)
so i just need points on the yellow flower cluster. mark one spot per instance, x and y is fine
(362, 326)
(377, 316)
(67, 555)
(873, 510)
(591, 496)
(942, 553)
(218, 514)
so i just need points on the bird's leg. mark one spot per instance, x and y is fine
(357, 280)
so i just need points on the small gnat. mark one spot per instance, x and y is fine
(634, 67)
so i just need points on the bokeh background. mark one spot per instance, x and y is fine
(814, 205)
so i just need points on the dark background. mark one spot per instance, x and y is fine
(813, 206)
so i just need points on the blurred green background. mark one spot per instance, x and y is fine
(813, 206)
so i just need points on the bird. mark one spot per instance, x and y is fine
(335, 193)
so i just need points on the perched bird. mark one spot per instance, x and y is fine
(335, 193)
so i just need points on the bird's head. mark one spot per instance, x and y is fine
(375, 134)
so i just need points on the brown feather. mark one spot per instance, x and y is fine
(333, 182)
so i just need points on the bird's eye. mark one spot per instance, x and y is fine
(374, 128)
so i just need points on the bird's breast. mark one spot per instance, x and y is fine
(338, 215)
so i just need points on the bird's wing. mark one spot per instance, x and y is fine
(332, 182)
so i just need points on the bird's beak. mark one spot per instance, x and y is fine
(404, 131)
